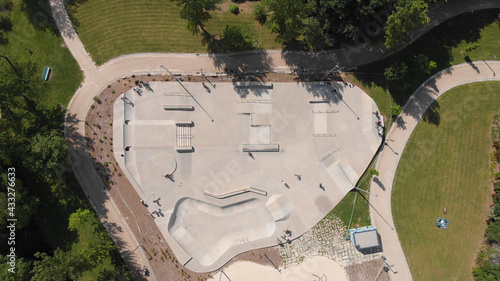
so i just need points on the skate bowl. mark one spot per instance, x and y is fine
(205, 231)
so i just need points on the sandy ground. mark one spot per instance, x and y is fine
(315, 269)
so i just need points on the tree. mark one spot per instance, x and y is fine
(374, 172)
(62, 266)
(333, 22)
(46, 153)
(21, 270)
(396, 110)
(97, 244)
(396, 71)
(409, 14)
(196, 12)
(423, 63)
(239, 38)
(287, 18)
(26, 203)
(259, 13)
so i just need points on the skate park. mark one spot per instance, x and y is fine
(232, 167)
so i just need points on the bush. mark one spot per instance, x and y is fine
(374, 172)
(497, 187)
(233, 8)
(493, 232)
(396, 110)
(260, 13)
(471, 47)
(496, 144)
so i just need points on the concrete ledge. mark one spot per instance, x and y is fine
(236, 192)
(184, 123)
(185, 107)
(184, 148)
(318, 101)
(261, 148)
(253, 84)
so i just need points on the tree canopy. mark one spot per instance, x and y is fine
(409, 14)
(196, 12)
(287, 18)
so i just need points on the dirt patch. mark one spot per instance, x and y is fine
(367, 271)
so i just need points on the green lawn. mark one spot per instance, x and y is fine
(344, 209)
(116, 27)
(447, 165)
(47, 51)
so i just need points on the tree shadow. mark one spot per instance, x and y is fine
(432, 115)
(436, 45)
(252, 61)
(302, 61)
(40, 15)
(469, 61)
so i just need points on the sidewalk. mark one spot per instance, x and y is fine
(397, 137)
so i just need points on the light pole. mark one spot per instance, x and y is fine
(493, 56)
(387, 265)
(187, 91)
(7, 58)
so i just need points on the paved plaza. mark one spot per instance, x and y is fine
(230, 168)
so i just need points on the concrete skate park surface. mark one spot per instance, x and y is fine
(221, 201)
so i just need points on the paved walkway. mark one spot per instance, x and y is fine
(96, 78)
(396, 140)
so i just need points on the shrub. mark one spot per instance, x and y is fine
(396, 110)
(471, 47)
(497, 187)
(259, 13)
(92, 106)
(496, 144)
(95, 98)
(233, 8)
(109, 86)
(497, 155)
(373, 172)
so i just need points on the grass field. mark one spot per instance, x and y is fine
(116, 27)
(47, 51)
(344, 209)
(447, 166)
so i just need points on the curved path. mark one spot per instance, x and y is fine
(96, 78)
(397, 137)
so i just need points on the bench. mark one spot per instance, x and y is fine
(46, 73)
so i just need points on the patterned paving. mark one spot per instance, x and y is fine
(327, 239)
